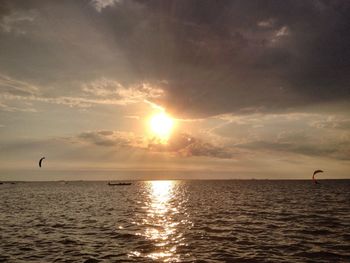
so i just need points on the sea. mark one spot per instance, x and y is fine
(176, 221)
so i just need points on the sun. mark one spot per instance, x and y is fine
(161, 126)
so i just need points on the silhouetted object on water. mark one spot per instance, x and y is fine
(116, 184)
(313, 176)
(40, 161)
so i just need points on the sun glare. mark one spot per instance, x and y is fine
(161, 125)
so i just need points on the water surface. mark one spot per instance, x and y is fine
(176, 221)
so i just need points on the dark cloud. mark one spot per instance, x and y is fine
(186, 145)
(210, 57)
(216, 58)
(105, 138)
(181, 144)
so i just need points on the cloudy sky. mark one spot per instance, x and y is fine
(257, 89)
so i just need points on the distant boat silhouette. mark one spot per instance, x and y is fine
(116, 184)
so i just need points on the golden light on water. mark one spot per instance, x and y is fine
(162, 222)
(161, 193)
(161, 126)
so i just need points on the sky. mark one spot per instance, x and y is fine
(256, 89)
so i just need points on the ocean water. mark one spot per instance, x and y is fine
(176, 221)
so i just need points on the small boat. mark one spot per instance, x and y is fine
(115, 184)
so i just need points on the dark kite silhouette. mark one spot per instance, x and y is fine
(40, 161)
(313, 176)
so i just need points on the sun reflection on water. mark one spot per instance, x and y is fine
(161, 193)
(161, 222)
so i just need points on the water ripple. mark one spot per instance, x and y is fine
(176, 221)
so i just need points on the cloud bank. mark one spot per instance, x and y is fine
(210, 58)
